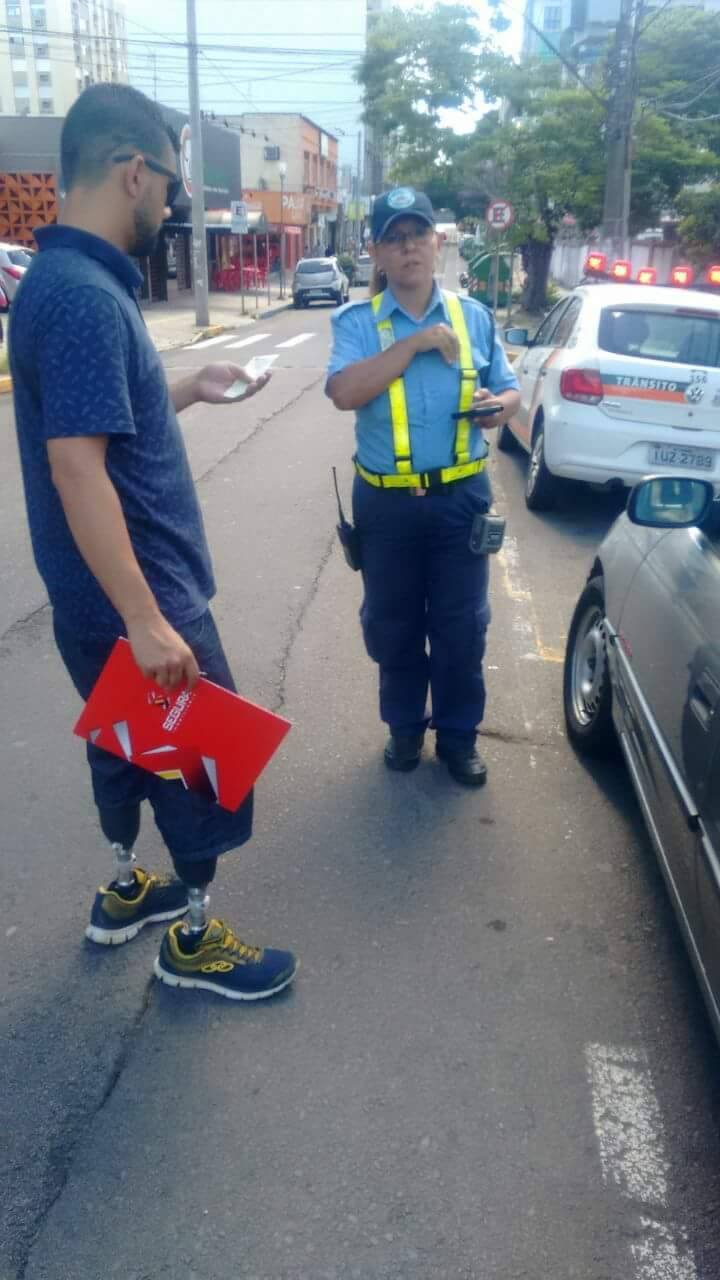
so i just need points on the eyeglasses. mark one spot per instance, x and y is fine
(418, 235)
(174, 183)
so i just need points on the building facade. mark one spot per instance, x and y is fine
(581, 28)
(30, 184)
(301, 202)
(53, 49)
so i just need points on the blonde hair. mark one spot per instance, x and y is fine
(378, 281)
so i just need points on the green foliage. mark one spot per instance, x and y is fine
(541, 143)
(678, 61)
(417, 64)
(700, 225)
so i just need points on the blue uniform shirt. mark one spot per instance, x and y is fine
(83, 364)
(432, 387)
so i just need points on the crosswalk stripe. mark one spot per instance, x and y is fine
(207, 342)
(295, 342)
(248, 342)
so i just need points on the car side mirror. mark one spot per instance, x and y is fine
(517, 337)
(670, 502)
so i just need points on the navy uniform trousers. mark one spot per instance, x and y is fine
(425, 610)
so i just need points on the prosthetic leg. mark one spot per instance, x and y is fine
(196, 876)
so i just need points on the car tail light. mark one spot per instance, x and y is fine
(713, 276)
(15, 273)
(647, 275)
(582, 385)
(621, 270)
(682, 277)
(595, 264)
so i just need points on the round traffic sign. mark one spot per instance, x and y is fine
(500, 214)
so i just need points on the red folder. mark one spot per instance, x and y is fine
(212, 740)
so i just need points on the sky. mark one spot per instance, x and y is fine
(323, 39)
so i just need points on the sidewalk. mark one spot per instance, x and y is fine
(172, 323)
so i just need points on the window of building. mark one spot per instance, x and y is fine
(42, 50)
(17, 47)
(47, 107)
(38, 17)
(22, 107)
(20, 79)
(14, 16)
(552, 20)
(306, 168)
(44, 79)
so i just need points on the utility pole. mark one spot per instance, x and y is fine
(622, 77)
(197, 172)
(357, 194)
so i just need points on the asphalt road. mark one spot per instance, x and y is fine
(494, 1065)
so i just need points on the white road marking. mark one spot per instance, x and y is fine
(658, 1256)
(629, 1129)
(525, 623)
(295, 342)
(628, 1123)
(208, 342)
(248, 342)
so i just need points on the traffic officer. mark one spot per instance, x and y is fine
(407, 360)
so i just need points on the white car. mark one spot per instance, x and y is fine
(621, 381)
(14, 262)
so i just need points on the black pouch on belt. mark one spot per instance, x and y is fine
(347, 533)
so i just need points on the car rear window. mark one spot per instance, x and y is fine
(681, 336)
(312, 265)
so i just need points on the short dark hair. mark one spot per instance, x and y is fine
(104, 118)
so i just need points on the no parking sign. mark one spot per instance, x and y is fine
(500, 215)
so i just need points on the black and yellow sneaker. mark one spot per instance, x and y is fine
(119, 914)
(219, 961)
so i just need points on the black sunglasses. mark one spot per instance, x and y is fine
(174, 183)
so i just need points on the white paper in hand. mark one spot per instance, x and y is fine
(255, 368)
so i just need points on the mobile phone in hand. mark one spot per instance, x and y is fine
(486, 410)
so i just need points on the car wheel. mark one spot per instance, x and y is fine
(506, 441)
(339, 299)
(587, 692)
(298, 303)
(541, 486)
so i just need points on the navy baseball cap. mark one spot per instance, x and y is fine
(403, 202)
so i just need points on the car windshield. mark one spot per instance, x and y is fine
(679, 336)
(19, 258)
(312, 265)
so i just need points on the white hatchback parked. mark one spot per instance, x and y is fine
(621, 381)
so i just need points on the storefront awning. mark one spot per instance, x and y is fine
(221, 220)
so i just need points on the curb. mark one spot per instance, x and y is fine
(215, 330)
(5, 384)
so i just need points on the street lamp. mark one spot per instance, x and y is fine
(282, 170)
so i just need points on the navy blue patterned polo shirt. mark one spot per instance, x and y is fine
(83, 364)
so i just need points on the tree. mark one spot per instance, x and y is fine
(419, 63)
(543, 145)
(700, 224)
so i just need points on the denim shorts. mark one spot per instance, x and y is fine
(192, 827)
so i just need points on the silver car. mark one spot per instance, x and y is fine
(363, 269)
(317, 279)
(642, 668)
(14, 262)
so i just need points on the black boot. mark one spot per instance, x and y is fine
(402, 753)
(464, 762)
